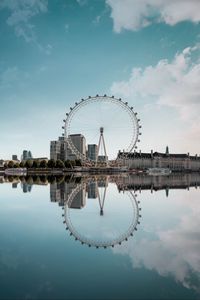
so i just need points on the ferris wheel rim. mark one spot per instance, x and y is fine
(92, 99)
(91, 243)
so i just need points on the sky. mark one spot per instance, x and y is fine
(53, 53)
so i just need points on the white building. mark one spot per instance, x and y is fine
(175, 162)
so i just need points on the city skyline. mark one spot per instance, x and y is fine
(65, 51)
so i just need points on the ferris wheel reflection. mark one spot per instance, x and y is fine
(96, 212)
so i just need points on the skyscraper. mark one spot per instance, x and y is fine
(92, 152)
(79, 142)
(26, 155)
(14, 157)
(60, 149)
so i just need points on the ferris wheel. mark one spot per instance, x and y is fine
(105, 121)
(97, 224)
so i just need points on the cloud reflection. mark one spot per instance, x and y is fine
(174, 251)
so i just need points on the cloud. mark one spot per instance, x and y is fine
(21, 13)
(66, 27)
(174, 84)
(137, 14)
(172, 252)
(82, 2)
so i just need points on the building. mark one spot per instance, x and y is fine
(175, 162)
(139, 182)
(14, 185)
(79, 142)
(60, 150)
(102, 158)
(1, 163)
(39, 159)
(26, 155)
(60, 193)
(92, 152)
(92, 190)
(26, 187)
(14, 157)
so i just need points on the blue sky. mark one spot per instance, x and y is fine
(54, 53)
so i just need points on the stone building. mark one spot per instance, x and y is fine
(175, 162)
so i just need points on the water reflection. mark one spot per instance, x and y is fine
(103, 211)
(95, 211)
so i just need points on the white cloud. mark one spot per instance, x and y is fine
(21, 13)
(174, 84)
(172, 252)
(136, 14)
(82, 2)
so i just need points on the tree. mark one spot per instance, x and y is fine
(78, 162)
(60, 179)
(59, 164)
(67, 164)
(72, 162)
(10, 178)
(35, 164)
(28, 163)
(43, 178)
(43, 164)
(5, 165)
(22, 164)
(51, 179)
(10, 164)
(29, 180)
(16, 165)
(51, 163)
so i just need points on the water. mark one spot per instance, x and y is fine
(104, 253)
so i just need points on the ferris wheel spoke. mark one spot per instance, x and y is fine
(115, 117)
(104, 236)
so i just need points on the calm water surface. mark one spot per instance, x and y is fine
(100, 238)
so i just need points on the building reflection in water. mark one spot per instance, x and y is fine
(26, 187)
(75, 193)
(168, 240)
(59, 192)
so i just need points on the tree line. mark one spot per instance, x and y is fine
(51, 163)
